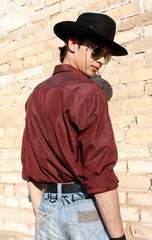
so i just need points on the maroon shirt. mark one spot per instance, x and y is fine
(68, 134)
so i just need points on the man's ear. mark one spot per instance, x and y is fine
(72, 44)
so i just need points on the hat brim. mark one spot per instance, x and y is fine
(73, 29)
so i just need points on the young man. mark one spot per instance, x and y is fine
(68, 150)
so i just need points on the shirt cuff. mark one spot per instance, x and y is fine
(101, 183)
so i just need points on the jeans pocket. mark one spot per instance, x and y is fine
(43, 216)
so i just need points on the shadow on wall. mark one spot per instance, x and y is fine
(105, 86)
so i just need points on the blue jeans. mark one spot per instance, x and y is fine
(71, 216)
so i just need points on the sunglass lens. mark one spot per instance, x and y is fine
(97, 53)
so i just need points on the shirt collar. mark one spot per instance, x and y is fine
(67, 68)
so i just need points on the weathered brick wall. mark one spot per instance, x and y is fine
(29, 51)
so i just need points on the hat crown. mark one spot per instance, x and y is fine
(99, 23)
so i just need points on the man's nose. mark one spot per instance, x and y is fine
(101, 60)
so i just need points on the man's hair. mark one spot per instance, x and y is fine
(63, 52)
(64, 49)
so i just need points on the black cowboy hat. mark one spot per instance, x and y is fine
(95, 26)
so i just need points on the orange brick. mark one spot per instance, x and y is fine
(25, 203)
(122, 196)
(30, 61)
(96, 5)
(10, 154)
(128, 36)
(140, 199)
(122, 120)
(146, 216)
(45, 13)
(48, 2)
(70, 4)
(114, 107)
(148, 88)
(29, 73)
(33, 28)
(17, 3)
(121, 167)
(17, 164)
(129, 106)
(3, 10)
(30, 8)
(140, 167)
(53, 43)
(7, 166)
(45, 57)
(135, 21)
(21, 190)
(10, 111)
(147, 31)
(17, 64)
(114, 79)
(2, 201)
(9, 100)
(147, 5)
(133, 182)
(31, 50)
(40, 37)
(4, 68)
(14, 45)
(141, 231)
(143, 45)
(2, 132)
(119, 134)
(130, 214)
(16, 23)
(11, 202)
(11, 36)
(129, 91)
(124, 10)
(142, 120)
(113, 2)
(49, 68)
(19, 120)
(9, 190)
(137, 75)
(11, 178)
(36, 81)
(11, 132)
(148, 57)
(17, 227)
(18, 142)
(143, 135)
(72, 14)
(10, 89)
(5, 79)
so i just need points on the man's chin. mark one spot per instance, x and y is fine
(90, 74)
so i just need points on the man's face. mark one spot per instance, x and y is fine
(84, 60)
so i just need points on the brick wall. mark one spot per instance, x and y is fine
(29, 51)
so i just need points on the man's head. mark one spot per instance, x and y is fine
(84, 55)
(89, 40)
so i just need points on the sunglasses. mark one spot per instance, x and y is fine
(98, 52)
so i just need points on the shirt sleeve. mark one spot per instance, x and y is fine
(97, 143)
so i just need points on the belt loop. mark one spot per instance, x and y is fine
(59, 190)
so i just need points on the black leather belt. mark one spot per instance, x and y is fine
(65, 187)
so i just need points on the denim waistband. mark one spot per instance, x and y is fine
(66, 198)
